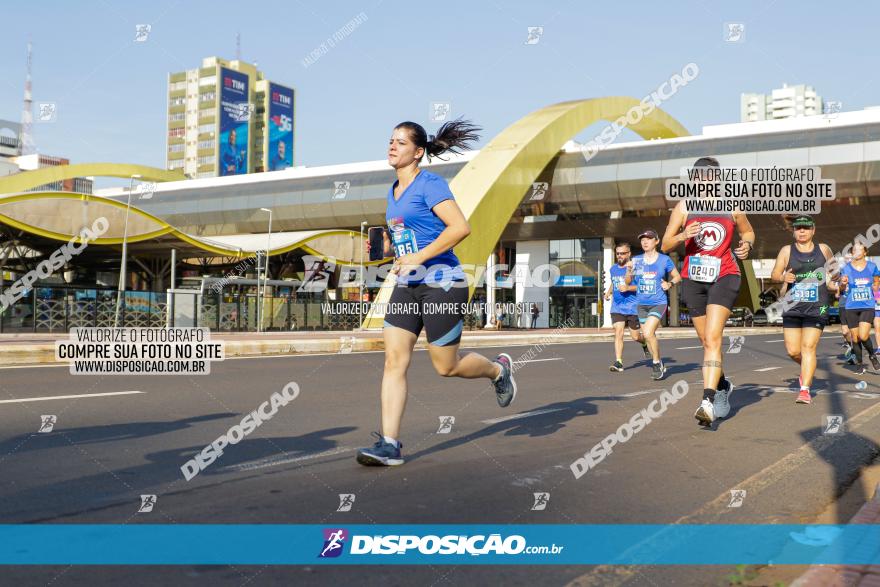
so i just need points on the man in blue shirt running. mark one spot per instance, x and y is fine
(623, 306)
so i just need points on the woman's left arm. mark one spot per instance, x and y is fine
(746, 235)
(457, 228)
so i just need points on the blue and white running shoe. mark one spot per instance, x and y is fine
(380, 454)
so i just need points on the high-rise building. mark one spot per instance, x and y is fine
(785, 102)
(225, 118)
(79, 185)
(10, 138)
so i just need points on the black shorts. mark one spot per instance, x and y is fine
(843, 316)
(440, 311)
(854, 317)
(696, 295)
(631, 320)
(804, 322)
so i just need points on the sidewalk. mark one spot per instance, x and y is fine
(37, 348)
(850, 505)
(848, 575)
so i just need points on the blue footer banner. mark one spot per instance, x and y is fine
(568, 544)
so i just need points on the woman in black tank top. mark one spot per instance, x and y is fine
(804, 297)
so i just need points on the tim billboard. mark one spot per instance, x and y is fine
(235, 115)
(280, 126)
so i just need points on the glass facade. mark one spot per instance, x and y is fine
(571, 300)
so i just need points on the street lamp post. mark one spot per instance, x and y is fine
(122, 267)
(265, 271)
(361, 296)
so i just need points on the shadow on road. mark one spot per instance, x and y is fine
(160, 475)
(533, 426)
(846, 452)
(62, 437)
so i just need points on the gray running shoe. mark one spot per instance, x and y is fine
(505, 386)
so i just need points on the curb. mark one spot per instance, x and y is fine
(844, 575)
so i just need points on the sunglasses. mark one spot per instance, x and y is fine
(803, 227)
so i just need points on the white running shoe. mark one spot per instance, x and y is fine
(721, 405)
(705, 414)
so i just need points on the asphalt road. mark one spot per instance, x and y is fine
(105, 451)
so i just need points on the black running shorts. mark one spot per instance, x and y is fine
(804, 322)
(440, 311)
(697, 295)
(854, 317)
(631, 320)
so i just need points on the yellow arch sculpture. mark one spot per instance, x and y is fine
(492, 184)
(30, 179)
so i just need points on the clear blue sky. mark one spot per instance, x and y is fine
(111, 91)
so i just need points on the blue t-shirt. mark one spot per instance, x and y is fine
(622, 302)
(413, 225)
(647, 277)
(860, 286)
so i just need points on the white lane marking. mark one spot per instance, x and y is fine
(766, 369)
(523, 415)
(283, 460)
(538, 360)
(685, 348)
(777, 340)
(637, 393)
(49, 398)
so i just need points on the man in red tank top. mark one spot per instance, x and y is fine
(710, 286)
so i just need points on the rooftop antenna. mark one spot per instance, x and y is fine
(238, 46)
(26, 138)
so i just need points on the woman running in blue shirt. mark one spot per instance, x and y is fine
(650, 271)
(857, 277)
(431, 292)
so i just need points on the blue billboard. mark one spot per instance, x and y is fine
(280, 128)
(235, 115)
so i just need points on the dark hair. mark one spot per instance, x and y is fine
(627, 245)
(450, 137)
(706, 162)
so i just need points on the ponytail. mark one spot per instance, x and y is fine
(452, 136)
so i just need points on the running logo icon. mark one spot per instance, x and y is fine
(47, 424)
(146, 190)
(142, 32)
(346, 344)
(542, 498)
(833, 424)
(734, 32)
(736, 344)
(737, 497)
(147, 503)
(346, 500)
(539, 190)
(440, 111)
(340, 189)
(334, 542)
(446, 423)
(48, 112)
(535, 33)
